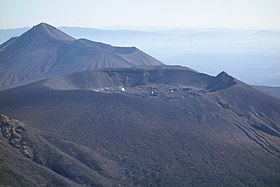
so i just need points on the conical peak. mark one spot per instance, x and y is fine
(44, 30)
(222, 74)
(43, 26)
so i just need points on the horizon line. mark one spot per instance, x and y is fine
(149, 28)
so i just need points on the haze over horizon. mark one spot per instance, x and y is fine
(249, 56)
(237, 14)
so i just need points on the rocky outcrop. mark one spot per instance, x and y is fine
(13, 132)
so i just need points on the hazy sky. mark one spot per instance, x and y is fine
(244, 14)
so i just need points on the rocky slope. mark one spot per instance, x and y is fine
(167, 126)
(39, 158)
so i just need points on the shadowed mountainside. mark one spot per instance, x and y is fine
(36, 157)
(162, 126)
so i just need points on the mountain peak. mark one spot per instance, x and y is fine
(44, 30)
(42, 24)
(223, 74)
(222, 81)
(43, 27)
(45, 51)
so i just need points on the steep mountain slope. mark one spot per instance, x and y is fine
(45, 51)
(117, 77)
(163, 126)
(36, 157)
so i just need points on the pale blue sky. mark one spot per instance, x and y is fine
(238, 14)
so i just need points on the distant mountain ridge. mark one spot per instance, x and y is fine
(206, 50)
(272, 91)
(45, 51)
